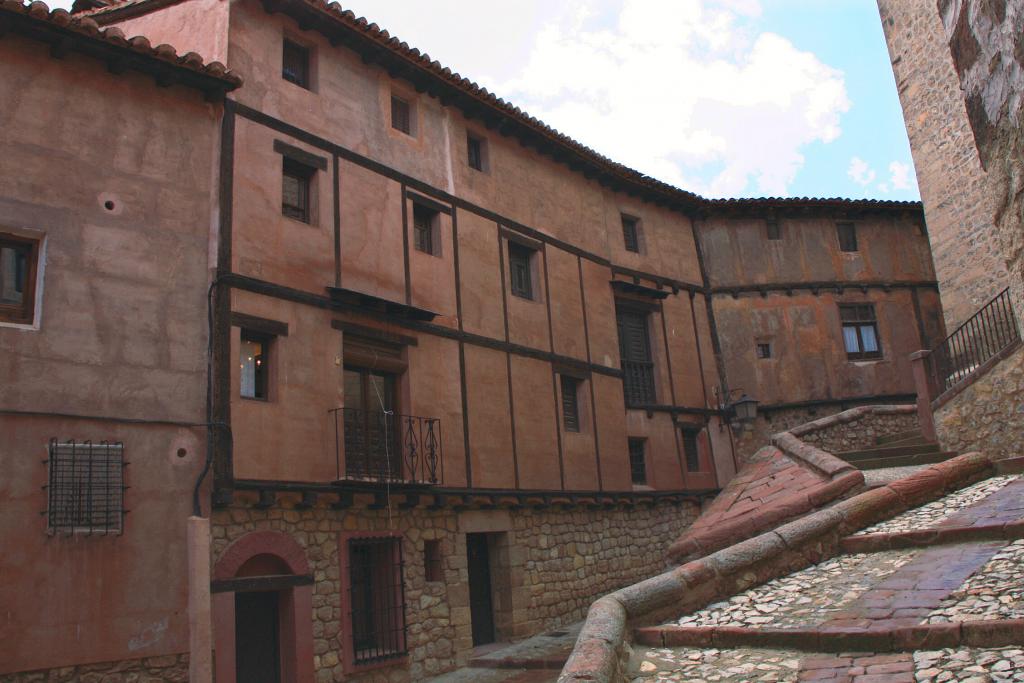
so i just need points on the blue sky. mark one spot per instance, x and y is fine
(722, 97)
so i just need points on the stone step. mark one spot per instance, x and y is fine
(894, 451)
(899, 436)
(905, 460)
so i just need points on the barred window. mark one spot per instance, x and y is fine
(520, 266)
(295, 63)
(570, 403)
(376, 599)
(691, 451)
(85, 489)
(631, 233)
(401, 115)
(638, 460)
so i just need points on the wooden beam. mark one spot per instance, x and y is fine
(275, 582)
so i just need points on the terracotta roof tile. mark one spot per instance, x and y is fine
(372, 35)
(37, 16)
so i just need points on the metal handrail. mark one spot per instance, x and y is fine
(977, 340)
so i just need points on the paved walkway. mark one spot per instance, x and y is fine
(535, 660)
(875, 592)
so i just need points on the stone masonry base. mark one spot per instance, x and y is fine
(170, 668)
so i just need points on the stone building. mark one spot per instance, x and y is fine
(463, 371)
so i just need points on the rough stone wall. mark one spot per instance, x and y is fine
(958, 207)
(860, 433)
(167, 669)
(987, 416)
(553, 564)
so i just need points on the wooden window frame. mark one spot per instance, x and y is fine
(569, 386)
(477, 161)
(520, 257)
(857, 322)
(426, 237)
(305, 175)
(641, 443)
(691, 450)
(630, 232)
(623, 310)
(25, 312)
(763, 350)
(397, 118)
(262, 379)
(846, 233)
(303, 80)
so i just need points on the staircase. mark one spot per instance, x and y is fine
(904, 449)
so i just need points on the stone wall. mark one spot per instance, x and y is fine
(988, 415)
(969, 264)
(168, 669)
(860, 433)
(548, 565)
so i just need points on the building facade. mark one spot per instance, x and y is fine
(464, 372)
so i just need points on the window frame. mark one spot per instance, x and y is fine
(857, 322)
(637, 458)
(569, 387)
(305, 175)
(846, 234)
(58, 484)
(773, 231)
(624, 311)
(630, 232)
(25, 312)
(763, 350)
(691, 450)
(521, 284)
(408, 116)
(304, 81)
(432, 242)
(433, 560)
(261, 379)
(480, 142)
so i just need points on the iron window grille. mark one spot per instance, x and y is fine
(424, 221)
(570, 403)
(773, 231)
(295, 64)
(631, 233)
(637, 363)
(691, 451)
(847, 233)
(296, 180)
(860, 331)
(401, 115)
(764, 350)
(475, 151)
(85, 487)
(376, 599)
(638, 460)
(19, 257)
(520, 270)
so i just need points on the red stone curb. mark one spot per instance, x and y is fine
(901, 540)
(992, 633)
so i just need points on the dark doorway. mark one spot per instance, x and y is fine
(481, 608)
(372, 444)
(257, 638)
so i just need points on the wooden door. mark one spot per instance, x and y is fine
(257, 638)
(481, 607)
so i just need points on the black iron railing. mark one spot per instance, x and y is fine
(380, 446)
(85, 487)
(638, 377)
(987, 333)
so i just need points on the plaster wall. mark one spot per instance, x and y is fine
(193, 26)
(112, 340)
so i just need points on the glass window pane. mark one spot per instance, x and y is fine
(251, 361)
(850, 339)
(867, 335)
(13, 271)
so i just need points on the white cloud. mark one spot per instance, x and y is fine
(901, 177)
(684, 91)
(860, 172)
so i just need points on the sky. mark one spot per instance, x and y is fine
(726, 98)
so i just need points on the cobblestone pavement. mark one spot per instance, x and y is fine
(936, 512)
(968, 664)
(996, 591)
(697, 666)
(806, 597)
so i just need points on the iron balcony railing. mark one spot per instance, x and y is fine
(987, 333)
(638, 377)
(381, 446)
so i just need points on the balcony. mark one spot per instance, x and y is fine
(385, 448)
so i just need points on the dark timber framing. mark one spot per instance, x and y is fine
(508, 358)
(590, 384)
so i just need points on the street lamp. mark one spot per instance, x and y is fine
(745, 408)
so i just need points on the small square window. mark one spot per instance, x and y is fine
(85, 488)
(570, 403)
(631, 233)
(253, 360)
(638, 460)
(691, 450)
(401, 115)
(295, 64)
(296, 184)
(847, 233)
(476, 149)
(19, 258)
(772, 228)
(764, 350)
(860, 331)
(432, 561)
(520, 266)
(424, 229)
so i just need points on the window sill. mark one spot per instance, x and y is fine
(868, 361)
(642, 487)
(398, 660)
(255, 399)
(309, 224)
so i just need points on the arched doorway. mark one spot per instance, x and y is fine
(262, 611)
